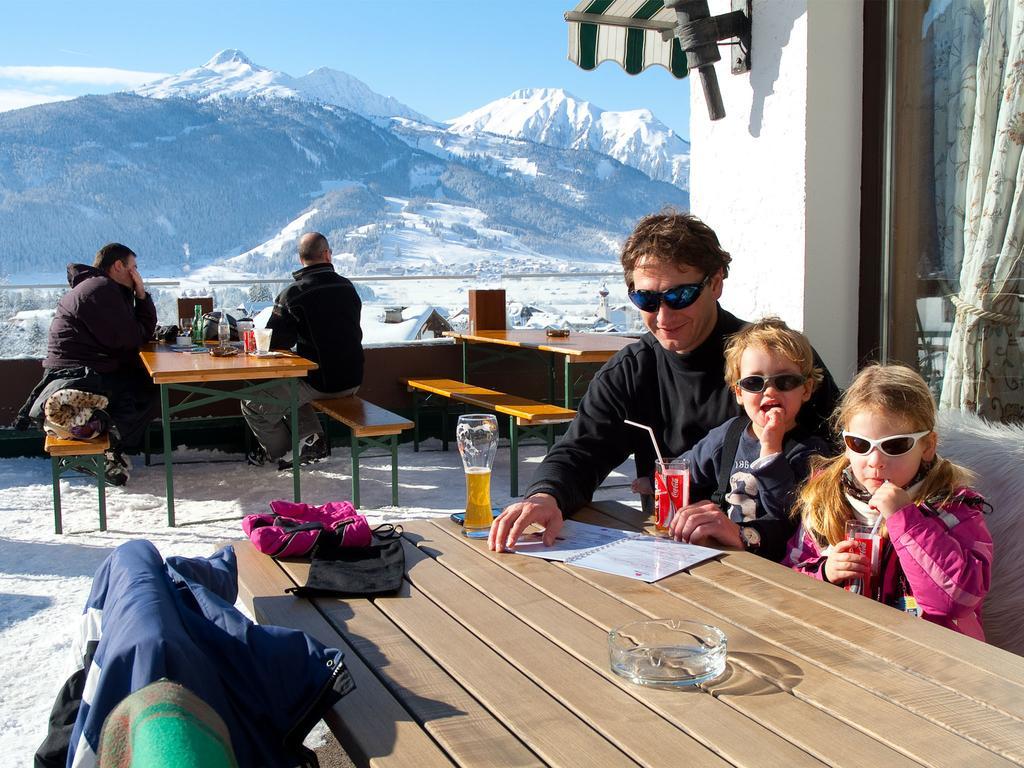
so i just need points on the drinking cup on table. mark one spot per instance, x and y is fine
(263, 340)
(671, 490)
(247, 335)
(869, 543)
(476, 434)
(183, 341)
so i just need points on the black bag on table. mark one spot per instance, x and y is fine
(211, 324)
(376, 569)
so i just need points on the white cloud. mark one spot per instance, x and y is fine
(15, 99)
(101, 76)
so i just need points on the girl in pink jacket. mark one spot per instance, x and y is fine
(936, 552)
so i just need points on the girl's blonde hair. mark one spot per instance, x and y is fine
(894, 390)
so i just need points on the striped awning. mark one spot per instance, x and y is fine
(636, 33)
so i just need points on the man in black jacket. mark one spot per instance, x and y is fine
(673, 380)
(318, 314)
(93, 345)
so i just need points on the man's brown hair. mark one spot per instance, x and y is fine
(111, 253)
(679, 239)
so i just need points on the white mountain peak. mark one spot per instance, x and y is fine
(230, 74)
(556, 117)
(228, 56)
(551, 94)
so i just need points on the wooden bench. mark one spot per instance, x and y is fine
(371, 427)
(80, 456)
(525, 416)
(370, 723)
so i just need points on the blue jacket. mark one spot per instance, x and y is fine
(147, 620)
(761, 491)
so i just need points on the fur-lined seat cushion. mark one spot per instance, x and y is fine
(995, 453)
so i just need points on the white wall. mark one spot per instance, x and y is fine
(779, 177)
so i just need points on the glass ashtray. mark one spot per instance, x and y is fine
(667, 653)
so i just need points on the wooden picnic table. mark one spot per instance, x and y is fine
(488, 659)
(190, 372)
(574, 349)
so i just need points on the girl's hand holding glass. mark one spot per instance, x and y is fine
(846, 562)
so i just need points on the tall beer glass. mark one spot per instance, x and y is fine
(477, 437)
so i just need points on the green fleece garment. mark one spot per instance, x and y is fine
(165, 725)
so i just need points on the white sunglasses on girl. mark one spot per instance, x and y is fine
(894, 445)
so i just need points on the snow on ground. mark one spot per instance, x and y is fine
(45, 578)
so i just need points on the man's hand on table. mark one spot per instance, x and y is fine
(703, 523)
(540, 508)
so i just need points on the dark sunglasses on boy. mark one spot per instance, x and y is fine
(679, 297)
(784, 382)
(894, 445)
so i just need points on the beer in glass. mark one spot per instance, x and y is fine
(476, 434)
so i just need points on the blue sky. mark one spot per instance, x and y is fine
(441, 57)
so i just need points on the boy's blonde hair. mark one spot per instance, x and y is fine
(891, 390)
(772, 335)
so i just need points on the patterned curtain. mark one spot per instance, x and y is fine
(983, 190)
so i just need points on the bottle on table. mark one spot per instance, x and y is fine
(197, 325)
(223, 329)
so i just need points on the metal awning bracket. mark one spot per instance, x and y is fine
(699, 34)
(740, 42)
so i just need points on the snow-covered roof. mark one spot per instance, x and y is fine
(33, 315)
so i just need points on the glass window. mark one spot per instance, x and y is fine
(955, 274)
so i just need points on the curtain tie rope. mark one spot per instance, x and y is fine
(966, 308)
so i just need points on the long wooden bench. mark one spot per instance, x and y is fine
(525, 416)
(371, 427)
(78, 456)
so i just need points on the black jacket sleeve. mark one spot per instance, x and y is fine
(597, 441)
(282, 322)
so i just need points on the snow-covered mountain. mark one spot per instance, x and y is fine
(225, 160)
(232, 75)
(542, 115)
(191, 183)
(552, 116)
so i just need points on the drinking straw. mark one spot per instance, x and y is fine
(657, 452)
(878, 520)
(650, 431)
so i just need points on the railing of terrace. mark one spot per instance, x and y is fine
(585, 301)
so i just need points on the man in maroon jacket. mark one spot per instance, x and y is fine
(94, 345)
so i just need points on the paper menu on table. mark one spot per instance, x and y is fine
(574, 539)
(633, 555)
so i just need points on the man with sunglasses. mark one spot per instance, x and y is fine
(672, 379)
